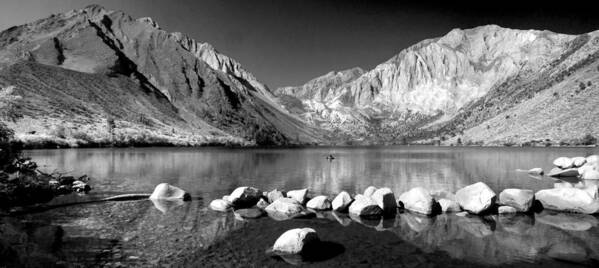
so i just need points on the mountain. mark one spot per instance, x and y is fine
(486, 85)
(98, 76)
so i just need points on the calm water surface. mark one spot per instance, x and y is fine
(142, 233)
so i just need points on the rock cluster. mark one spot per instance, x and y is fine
(583, 167)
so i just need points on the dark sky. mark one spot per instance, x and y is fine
(287, 42)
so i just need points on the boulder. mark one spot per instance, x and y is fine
(563, 162)
(592, 159)
(418, 200)
(584, 168)
(476, 198)
(227, 198)
(342, 201)
(220, 205)
(590, 174)
(285, 208)
(385, 199)
(448, 205)
(293, 241)
(262, 204)
(519, 199)
(245, 197)
(506, 210)
(365, 207)
(249, 213)
(369, 191)
(274, 195)
(167, 191)
(535, 171)
(320, 202)
(558, 172)
(578, 161)
(300, 196)
(570, 199)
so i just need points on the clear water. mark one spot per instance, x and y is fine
(140, 233)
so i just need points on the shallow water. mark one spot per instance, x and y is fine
(141, 233)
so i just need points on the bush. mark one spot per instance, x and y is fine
(582, 86)
(588, 139)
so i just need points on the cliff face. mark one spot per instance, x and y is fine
(442, 87)
(211, 95)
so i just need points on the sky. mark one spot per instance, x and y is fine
(288, 42)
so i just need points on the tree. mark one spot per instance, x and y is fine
(7, 103)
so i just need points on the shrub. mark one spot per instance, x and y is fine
(582, 86)
(588, 139)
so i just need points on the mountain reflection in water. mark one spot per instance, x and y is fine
(143, 233)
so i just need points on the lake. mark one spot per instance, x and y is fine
(141, 233)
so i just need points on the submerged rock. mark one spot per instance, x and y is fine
(365, 207)
(244, 197)
(369, 191)
(535, 171)
(320, 202)
(563, 162)
(342, 201)
(418, 200)
(293, 241)
(506, 210)
(570, 199)
(476, 198)
(519, 199)
(448, 205)
(220, 205)
(249, 213)
(167, 191)
(385, 199)
(300, 196)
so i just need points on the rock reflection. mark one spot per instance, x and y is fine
(166, 205)
(567, 221)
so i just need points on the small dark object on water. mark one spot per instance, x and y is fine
(330, 157)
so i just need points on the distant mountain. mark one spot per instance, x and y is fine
(78, 71)
(488, 85)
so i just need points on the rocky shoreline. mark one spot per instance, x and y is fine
(476, 199)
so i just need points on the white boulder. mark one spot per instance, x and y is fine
(506, 210)
(593, 159)
(294, 240)
(365, 206)
(578, 161)
(220, 205)
(300, 196)
(320, 202)
(519, 199)
(418, 200)
(563, 162)
(166, 191)
(284, 208)
(448, 205)
(369, 191)
(274, 195)
(570, 199)
(385, 199)
(590, 174)
(587, 166)
(342, 201)
(476, 198)
(245, 197)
